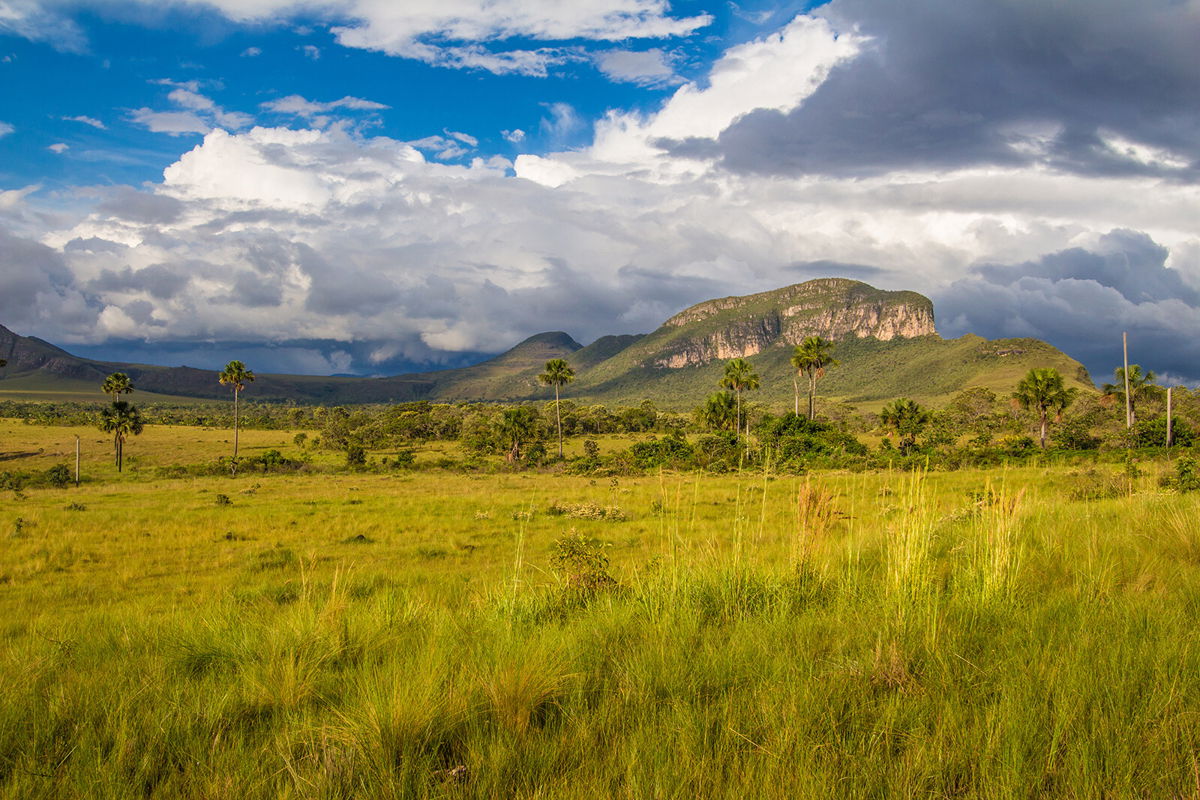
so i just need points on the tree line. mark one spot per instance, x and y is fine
(518, 432)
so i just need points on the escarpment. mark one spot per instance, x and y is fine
(833, 308)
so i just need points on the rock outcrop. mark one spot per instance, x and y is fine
(834, 308)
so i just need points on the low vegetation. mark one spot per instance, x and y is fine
(430, 600)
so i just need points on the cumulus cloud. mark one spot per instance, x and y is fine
(59, 148)
(251, 52)
(6, 129)
(372, 248)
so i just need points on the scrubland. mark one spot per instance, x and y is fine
(1022, 632)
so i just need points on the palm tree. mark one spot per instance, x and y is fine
(515, 427)
(121, 420)
(811, 357)
(739, 376)
(1141, 386)
(907, 419)
(558, 373)
(116, 384)
(236, 375)
(1042, 389)
(717, 413)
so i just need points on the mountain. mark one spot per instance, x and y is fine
(886, 343)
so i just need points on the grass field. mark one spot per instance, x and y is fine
(960, 634)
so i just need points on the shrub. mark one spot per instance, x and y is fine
(583, 564)
(671, 451)
(1185, 478)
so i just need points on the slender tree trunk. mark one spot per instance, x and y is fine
(235, 423)
(558, 419)
(737, 425)
(796, 388)
(812, 396)
(1043, 433)
(120, 454)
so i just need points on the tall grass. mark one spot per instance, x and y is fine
(890, 635)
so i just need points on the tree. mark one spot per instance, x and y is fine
(558, 373)
(717, 413)
(811, 357)
(116, 384)
(236, 375)
(739, 376)
(122, 420)
(907, 419)
(1042, 390)
(516, 427)
(1141, 387)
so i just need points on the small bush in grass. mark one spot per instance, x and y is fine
(586, 511)
(356, 456)
(1092, 484)
(582, 563)
(1185, 478)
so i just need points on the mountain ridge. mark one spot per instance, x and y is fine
(886, 340)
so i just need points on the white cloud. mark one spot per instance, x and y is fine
(311, 51)
(95, 123)
(174, 123)
(643, 67)
(13, 197)
(252, 52)
(200, 115)
(516, 135)
(58, 148)
(301, 107)
(6, 129)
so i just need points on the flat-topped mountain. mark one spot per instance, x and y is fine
(886, 342)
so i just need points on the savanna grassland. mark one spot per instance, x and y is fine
(1020, 632)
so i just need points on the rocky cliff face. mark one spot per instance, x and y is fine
(833, 308)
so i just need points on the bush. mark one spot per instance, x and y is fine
(1185, 478)
(671, 451)
(583, 564)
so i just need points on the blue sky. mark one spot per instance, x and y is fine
(128, 58)
(340, 185)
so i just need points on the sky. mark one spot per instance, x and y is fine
(370, 187)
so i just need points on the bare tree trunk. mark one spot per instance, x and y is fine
(812, 396)
(235, 423)
(558, 419)
(1128, 396)
(796, 388)
(737, 425)
(1170, 431)
(1043, 435)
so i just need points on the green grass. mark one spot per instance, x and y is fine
(965, 634)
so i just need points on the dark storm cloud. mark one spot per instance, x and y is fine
(127, 203)
(952, 83)
(36, 287)
(1080, 300)
(160, 281)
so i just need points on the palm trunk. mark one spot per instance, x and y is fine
(796, 390)
(235, 423)
(117, 450)
(120, 454)
(558, 419)
(812, 396)
(737, 425)
(1043, 430)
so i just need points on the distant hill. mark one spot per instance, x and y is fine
(886, 343)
